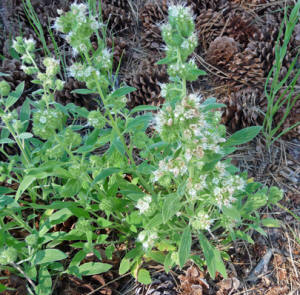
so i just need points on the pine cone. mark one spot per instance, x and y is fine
(146, 80)
(118, 3)
(12, 67)
(162, 284)
(119, 46)
(244, 108)
(193, 282)
(221, 51)
(200, 5)
(241, 29)
(119, 19)
(209, 25)
(246, 69)
(65, 96)
(151, 15)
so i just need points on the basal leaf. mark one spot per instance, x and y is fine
(143, 108)
(243, 136)
(170, 207)
(45, 282)
(48, 255)
(93, 268)
(83, 91)
(122, 91)
(26, 182)
(124, 266)
(270, 222)
(144, 276)
(185, 246)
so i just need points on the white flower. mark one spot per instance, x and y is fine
(193, 193)
(144, 204)
(163, 91)
(95, 25)
(202, 221)
(43, 120)
(142, 236)
(29, 42)
(188, 154)
(217, 191)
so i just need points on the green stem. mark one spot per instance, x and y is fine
(24, 153)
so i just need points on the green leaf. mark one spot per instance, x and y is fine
(139, 122)
(122, 91)
(71, 188)
(45, 282)
(170, 207)
(166, 60)
(25, 135)
(168, 263)
(213, 106)
(185, 246)
(2, 287)
(232, 212)
(83, 91)
(25, 111)
(270, 222)
(15, 95)
(124, 266)
(105, 173)
(93, 268)
(243, 136)
(92, 138)
(6, 140)
(3, 75)
(26, 182)
(244, 236)
(198, 72)
(48, 255)
(275, 195)
(144, 277)
(143, 108)
(212, 258)
(157, 256)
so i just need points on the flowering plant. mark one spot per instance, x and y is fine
(181, 187)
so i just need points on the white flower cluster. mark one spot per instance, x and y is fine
(201, 221)
(81, 71)
(197, 134)
(176, 166)
(228, 186)
(179, 11)
(147, 238)
(143, 204)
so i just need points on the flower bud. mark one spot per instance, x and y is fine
(4, 88)
(8, 255)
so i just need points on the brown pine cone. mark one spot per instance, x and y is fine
(119, 46)
(66, 96)
(118, 3)
(241, 29)
(146, 80)
(119, 20)
(221, 51)
(153, 13)
(246, 69)
(201, 5)
(12, 67)
(209, 25)
(244, 108)
(151, 16)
